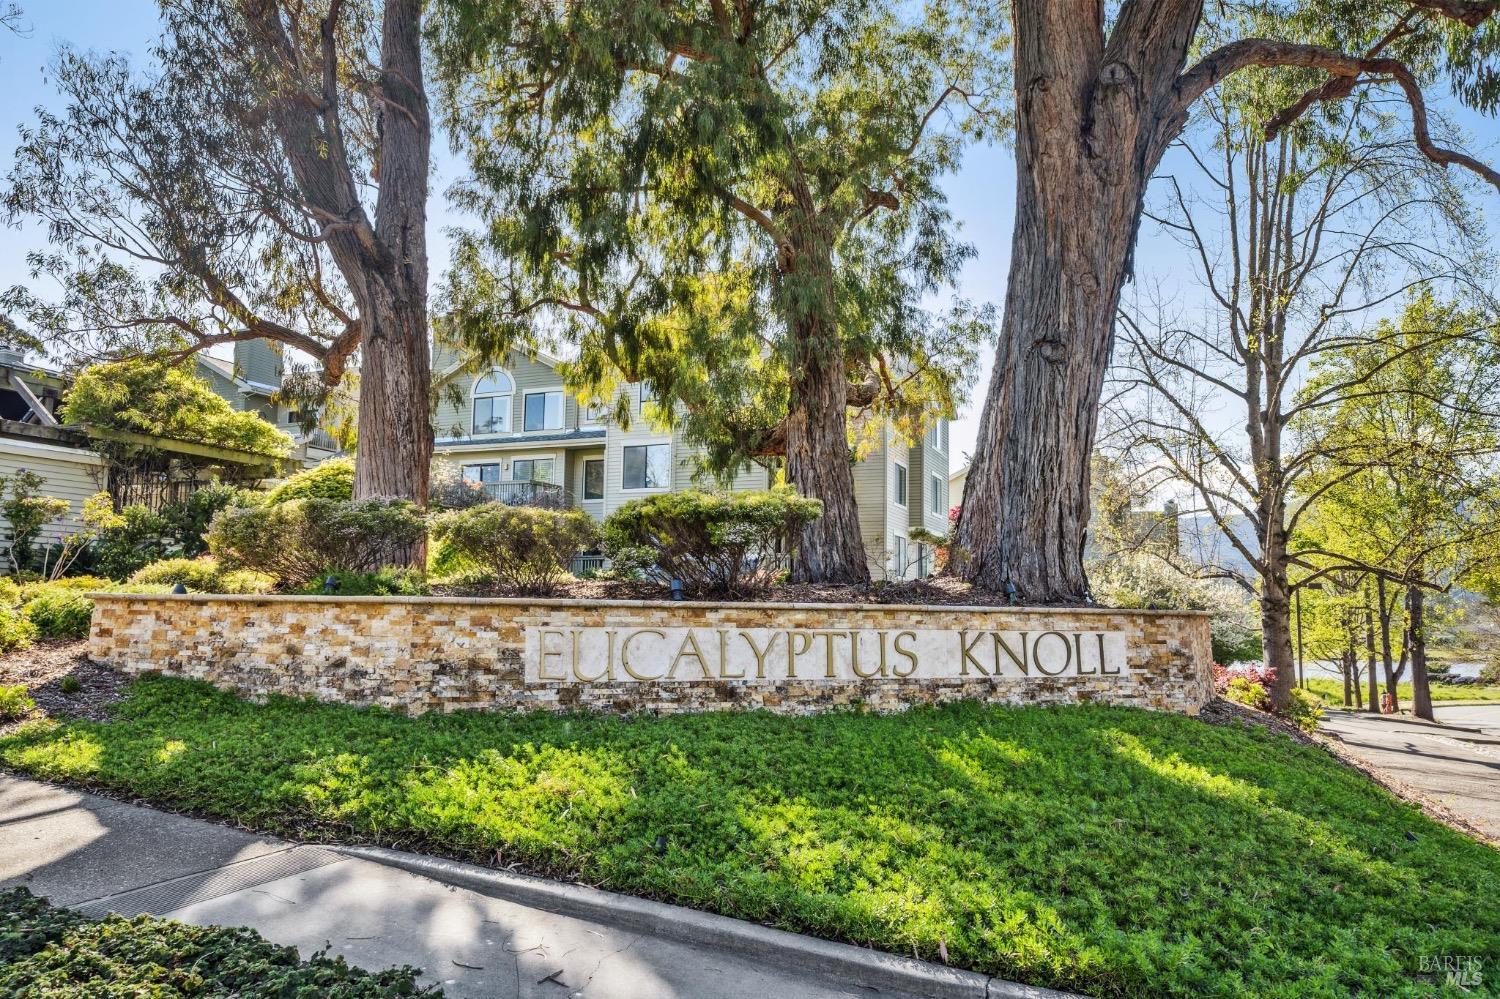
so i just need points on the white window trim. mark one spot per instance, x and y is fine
(901, 495)
(562, 411)
(588, 418)
(509, 397)
(671, 466)
(583, 478)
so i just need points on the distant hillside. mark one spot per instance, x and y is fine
(1201, 541)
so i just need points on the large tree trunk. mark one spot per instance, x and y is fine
(1276, 634)
(1370, 656)
(830, 548)
(1421, 693)
(1091, 124)
(395, 428)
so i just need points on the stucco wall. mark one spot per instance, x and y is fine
(433, 653)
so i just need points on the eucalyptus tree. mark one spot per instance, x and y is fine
(265, 178)
(735, 202)
(1101, 91)
(1296, 243)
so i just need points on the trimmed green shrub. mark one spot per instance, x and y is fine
(201, 574)
(70, 684)
(76, 584)
(59, 612)
(16, 630)
(332, 480)
(246, 581)
(715, 543)
(528, 548)
(15, 702)
(296, 540)
(386, 582)
(46, 951)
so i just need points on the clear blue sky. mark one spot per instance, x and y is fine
(981, 194)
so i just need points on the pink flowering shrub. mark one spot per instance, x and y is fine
(1225, 675)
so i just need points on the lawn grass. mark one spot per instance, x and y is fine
(1108, 850)
(60, 954)
(1332, 691)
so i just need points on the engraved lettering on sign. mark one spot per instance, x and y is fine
(619, 653)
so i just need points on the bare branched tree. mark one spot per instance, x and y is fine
(1303, 239)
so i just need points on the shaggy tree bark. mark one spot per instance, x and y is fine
(831, 549)
(383, 262)
(1093, 116)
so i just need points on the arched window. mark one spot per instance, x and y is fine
(492, 395)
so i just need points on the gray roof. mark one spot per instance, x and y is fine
(533, 438)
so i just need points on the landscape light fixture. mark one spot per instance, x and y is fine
(676, 589)
(331, 584)
(179, 588)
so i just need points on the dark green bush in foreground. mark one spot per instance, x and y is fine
(1107, 850)
(296, 540)
(713, 542)
(527, 548)
(58, 953)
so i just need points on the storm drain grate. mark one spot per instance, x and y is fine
(167, 896)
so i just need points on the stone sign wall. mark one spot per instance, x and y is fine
(437, 653)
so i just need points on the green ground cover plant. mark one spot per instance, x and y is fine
(45, 951)
(15, 702)
(1112, 851)
(1332, 691)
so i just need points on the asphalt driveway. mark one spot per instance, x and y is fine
(1455, 762)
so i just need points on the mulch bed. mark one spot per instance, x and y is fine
(41, 669)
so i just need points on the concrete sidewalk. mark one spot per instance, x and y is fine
(99, 855)
(1457, 763)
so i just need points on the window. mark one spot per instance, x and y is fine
(543, 411)
(531, 470)
(935, 435)
(492, 394)
(648, 393)
(900, 485)
(648, 466)
(482, 473)
(935, 494)
(898, 557)
(593, 479)
(593, 414)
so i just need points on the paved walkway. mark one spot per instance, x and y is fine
(1456, 762)
(99, 855)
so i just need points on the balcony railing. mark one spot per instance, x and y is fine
(523, 493)
(588, 564)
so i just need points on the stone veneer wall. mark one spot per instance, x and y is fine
(436, 653)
